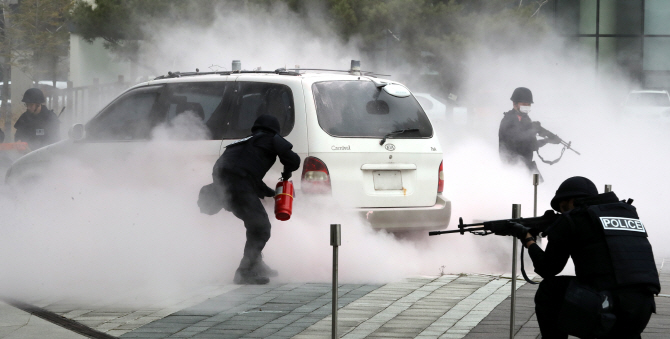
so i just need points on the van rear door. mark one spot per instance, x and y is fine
(376, 142)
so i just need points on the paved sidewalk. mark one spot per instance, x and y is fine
(448, 306)
(17, 324)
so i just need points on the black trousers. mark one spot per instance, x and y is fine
(247, 207)
(632, 306)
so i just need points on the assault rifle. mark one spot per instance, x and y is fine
(543, 132)
(537, 225)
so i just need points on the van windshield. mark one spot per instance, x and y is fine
(361, 109)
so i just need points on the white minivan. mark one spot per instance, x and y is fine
(363, 140)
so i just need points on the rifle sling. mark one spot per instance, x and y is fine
(554, 161)
(523, 271)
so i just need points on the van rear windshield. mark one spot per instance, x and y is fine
(361, 109)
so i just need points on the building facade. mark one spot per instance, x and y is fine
(629, 35)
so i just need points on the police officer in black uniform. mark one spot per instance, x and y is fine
(239, 172)
(517, 135)
(38, 126)
(612, 294)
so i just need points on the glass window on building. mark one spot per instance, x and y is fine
(656, 54)
(587, 18)
(656, 17)
(620, 53)
(620, 17)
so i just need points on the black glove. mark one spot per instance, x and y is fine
(518, 230)
(510, 228)
(537, 126)
(268, 192)
(286, 175)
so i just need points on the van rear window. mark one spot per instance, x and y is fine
(361, 109)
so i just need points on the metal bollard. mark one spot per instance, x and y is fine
(608, 188)
(335, 241)
(536, 181)
(516, 213)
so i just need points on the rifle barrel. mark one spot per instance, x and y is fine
(567, 145)
(458, 231)
(543, 132)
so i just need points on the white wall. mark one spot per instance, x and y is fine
(92, 60)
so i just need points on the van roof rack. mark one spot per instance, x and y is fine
(348, 71)
(279, 71)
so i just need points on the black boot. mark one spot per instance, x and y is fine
(263, 269)
(249, 277)
(245, 274)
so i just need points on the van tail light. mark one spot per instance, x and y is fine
(315, 177)
(440, 179)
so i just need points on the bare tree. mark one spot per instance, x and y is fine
(5, 63)
(41, 38)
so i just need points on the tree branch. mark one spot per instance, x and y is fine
(538, 7)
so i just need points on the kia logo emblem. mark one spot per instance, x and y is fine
(390, 147)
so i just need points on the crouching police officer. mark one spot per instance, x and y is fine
(612, 295)
(240, 171)
(38, 126)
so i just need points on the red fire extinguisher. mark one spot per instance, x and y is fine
(284, 200)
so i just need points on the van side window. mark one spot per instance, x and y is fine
(205, 101)
(254, 99)
(130, 117)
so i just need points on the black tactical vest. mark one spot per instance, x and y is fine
(629, 249)
(243, 158)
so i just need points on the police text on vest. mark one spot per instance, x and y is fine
(622, 224)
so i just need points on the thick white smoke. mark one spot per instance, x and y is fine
(582, 105)
(260, 39)
(128, 227)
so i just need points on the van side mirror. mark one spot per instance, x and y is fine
(77, 132)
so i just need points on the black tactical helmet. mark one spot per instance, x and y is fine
(575, 187)
(522, 94)
(267, 122)
(33, 96)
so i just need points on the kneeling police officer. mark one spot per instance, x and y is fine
(239, 172)
(612, 294)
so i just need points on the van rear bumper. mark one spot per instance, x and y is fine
(431, 218)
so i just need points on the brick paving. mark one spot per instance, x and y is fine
(447, 306)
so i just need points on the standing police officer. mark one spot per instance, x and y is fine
(38, 126)
(612, 295)
(517, 133)
(239, 172)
